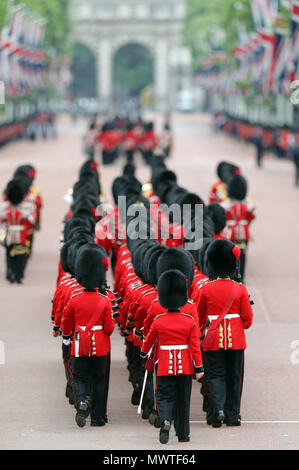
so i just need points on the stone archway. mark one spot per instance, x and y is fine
(107, 26)
(133, 70)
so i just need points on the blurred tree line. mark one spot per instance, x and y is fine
(215, 25)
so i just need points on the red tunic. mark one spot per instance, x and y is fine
(239, 216)
(130, 140)
(218, 192)
(18, 221)
(230, 333)
(156, 309)
(80, 308)
(178, 344)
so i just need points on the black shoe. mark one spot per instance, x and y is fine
(98, 422)
(209, 417)
(71, 397)
(68, 390)
(233, 423)
(146, 412)
(157, 422)
(135, 398)
(164, 432)
(81, 415)
(218, 419)
(153, 416)
(184, 439)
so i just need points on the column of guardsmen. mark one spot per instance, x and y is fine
(20, 218)
(182, 313)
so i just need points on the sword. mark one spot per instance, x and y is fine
(143, 388)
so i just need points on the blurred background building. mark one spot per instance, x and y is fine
(131, 51)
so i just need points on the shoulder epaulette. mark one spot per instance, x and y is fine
(160, 315)
(187, 315)
(75, 294)
(190, 301)
(35, 190)
(103, 295)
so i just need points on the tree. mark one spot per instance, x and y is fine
(133, 69)
(215, 25)
(57, 15)
(84, 72)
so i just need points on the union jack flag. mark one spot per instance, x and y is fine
(294, 54)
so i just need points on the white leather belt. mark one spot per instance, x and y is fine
(95, 328)
(177, 347)
(229, 316)
(16, 227)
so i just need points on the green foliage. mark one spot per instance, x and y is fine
(3, 10)
(215, 25)
(133, 69)
(84, 72)
(55, 12)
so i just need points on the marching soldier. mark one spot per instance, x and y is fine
(179, 356)
(89, 317)
(239, 215)
(218, 191)
(18, 217)
(224, 309)
(130, 142)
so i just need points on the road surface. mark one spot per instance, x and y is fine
(34, 413)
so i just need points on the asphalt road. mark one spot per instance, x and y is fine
(34, 413)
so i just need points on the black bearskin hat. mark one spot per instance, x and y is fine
(150, 263)
(221, 259)
(25, 170)
(237, 188)
(178, 259)
(226, 170)
(138, 257)
(172, 290)
(15, 191)
(90, 267)
(64, 258)
(201, 259)
(218, 216)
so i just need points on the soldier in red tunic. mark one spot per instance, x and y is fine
(89, 317)
(179, 356)
(148, 142)
(18, 217)
(218, 191)
(224, 308)
(130, 142)
(239, 215)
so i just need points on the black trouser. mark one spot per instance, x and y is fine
(147, 156)
(173, 397)
(243, 263)
(89, 375)
(224, 372)
(68, 363)
(296, 161)
(259, 155)
(135, 365)
(107, 380)
(15, 262)
(130, 156)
